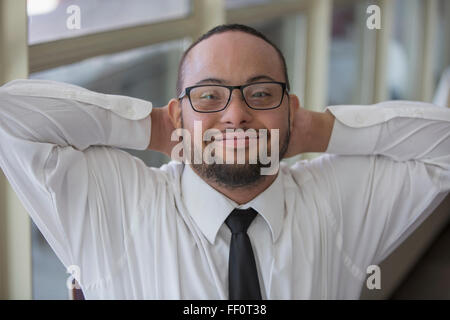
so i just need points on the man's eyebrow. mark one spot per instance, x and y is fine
(260, 77)
(209, 80)
(221, 81)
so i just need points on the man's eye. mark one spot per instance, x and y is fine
(260, 94)
(208, 96)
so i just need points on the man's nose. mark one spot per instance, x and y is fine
(237, 111)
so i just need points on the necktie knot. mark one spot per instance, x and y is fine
(240, 219)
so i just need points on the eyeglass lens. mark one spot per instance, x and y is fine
(258, 96)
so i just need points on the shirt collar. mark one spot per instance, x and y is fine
(209, 208)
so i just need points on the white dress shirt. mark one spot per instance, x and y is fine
(138, 232)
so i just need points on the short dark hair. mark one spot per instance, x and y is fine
(221, 29)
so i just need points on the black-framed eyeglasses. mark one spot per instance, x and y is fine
(215, 97)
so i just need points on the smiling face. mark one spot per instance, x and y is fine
(233, 58)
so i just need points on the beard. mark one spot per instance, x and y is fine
(237, 175)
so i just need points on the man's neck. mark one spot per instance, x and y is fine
(244, 194)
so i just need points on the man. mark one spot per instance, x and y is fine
(221, 230)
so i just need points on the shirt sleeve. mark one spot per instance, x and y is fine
(387, 169)
(58, 150)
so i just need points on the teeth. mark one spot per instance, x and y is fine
(236, 136)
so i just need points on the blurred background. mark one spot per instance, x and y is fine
(133, 48)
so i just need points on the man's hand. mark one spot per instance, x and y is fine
(300, 123)
(162, 129)
(310, 131)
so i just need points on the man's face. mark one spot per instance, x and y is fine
(234, 58)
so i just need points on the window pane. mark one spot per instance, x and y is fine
(50, 20)
(148, 73)
(232, 4)
(442, 51)
(405, 50)
(343, 65)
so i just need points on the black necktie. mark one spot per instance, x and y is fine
(243, 281)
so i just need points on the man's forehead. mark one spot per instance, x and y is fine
(232, 56)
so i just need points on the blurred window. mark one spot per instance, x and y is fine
(404, 55)
(344, 54)
(234, 4)
(442, 42)
(47, 19)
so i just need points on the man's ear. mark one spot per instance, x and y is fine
(174, 109)
(294, 105)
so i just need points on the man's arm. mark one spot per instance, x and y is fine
(401, 130)
(386, 169)
(67, 115)
(57, 151)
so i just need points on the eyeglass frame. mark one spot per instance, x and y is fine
(187, 92)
